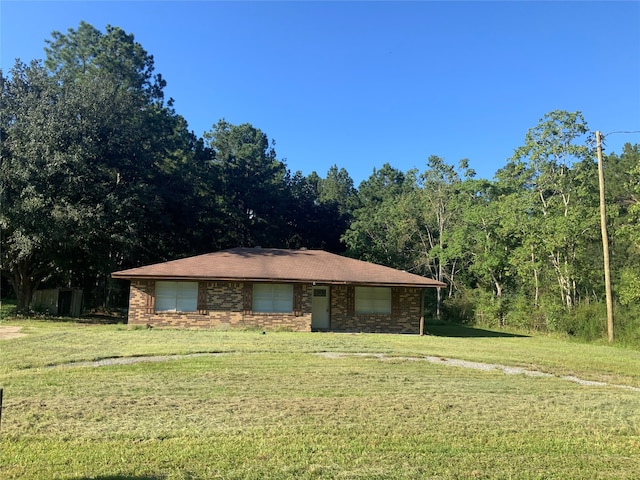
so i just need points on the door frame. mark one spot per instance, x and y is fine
(326, 327)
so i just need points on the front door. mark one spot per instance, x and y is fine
(320, 308)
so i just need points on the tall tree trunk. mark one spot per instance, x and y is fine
(24, 285)
(535, 279)
(564, 282)
(498, 286)
(453, 272)
(439, 292)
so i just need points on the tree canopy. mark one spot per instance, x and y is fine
(99, 172)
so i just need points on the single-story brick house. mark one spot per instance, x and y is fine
(300, 290)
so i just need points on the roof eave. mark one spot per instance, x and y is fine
(319, 281)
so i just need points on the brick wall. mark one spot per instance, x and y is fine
(404, 317)
(226, 304)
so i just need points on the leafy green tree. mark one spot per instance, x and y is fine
(29, 218)
(337, 188)
(335, 200)
(521, 231)
(376, 234)
(487, 220)
(83, 53)
(437, 221)
(75, 150)
(253, 185)
(90, 143)
(310, 222)
(552, 151)
(623, 183)
(383, 184)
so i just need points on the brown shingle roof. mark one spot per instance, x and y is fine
(271, 265)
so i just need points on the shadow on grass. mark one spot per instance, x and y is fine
(463, 331)
(87, 319)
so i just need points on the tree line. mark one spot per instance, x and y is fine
(100, 173)
(522, 250)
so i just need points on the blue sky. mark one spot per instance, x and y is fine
(360, 84)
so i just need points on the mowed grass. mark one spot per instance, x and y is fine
(270, 406)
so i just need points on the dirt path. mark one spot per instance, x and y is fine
(107, 362)
(10, 332)
(453, 362)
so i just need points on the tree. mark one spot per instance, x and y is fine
(335, 202)
(551, 153)
(437, 218)
(29, 104)
(84, 146)
(73, 177)
(337, 188)
(83, 53)
(625, 171)
(252, 182)
(310, 222)
(375, 234)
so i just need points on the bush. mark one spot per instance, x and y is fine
(586, 322)
(458, 309)
(523, 315)
(7, 308)
(552, 314)
(626, 325)
(474, 306)
(490, 310)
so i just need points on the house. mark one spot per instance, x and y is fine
(300, 290)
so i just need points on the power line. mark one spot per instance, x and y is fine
(603, 136)
(621, 131)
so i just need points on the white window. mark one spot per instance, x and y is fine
(176, 296)
(373, 300)
(272, 298)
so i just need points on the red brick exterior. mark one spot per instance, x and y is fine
(229, 304)
(404, 318)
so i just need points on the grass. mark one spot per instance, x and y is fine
(270, 407)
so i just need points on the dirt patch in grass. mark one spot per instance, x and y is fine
(10, 332)
(453, 362)
(106, 362)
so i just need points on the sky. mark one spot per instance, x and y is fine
(363, 83)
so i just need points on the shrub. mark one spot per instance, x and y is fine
(522, 314)
(587, 322)
(459, 309)
(626, 325)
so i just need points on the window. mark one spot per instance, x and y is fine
(176, 296)
(272, 298)
(373, 300)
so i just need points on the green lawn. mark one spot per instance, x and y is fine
(268, 406)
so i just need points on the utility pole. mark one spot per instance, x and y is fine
(605, 240)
